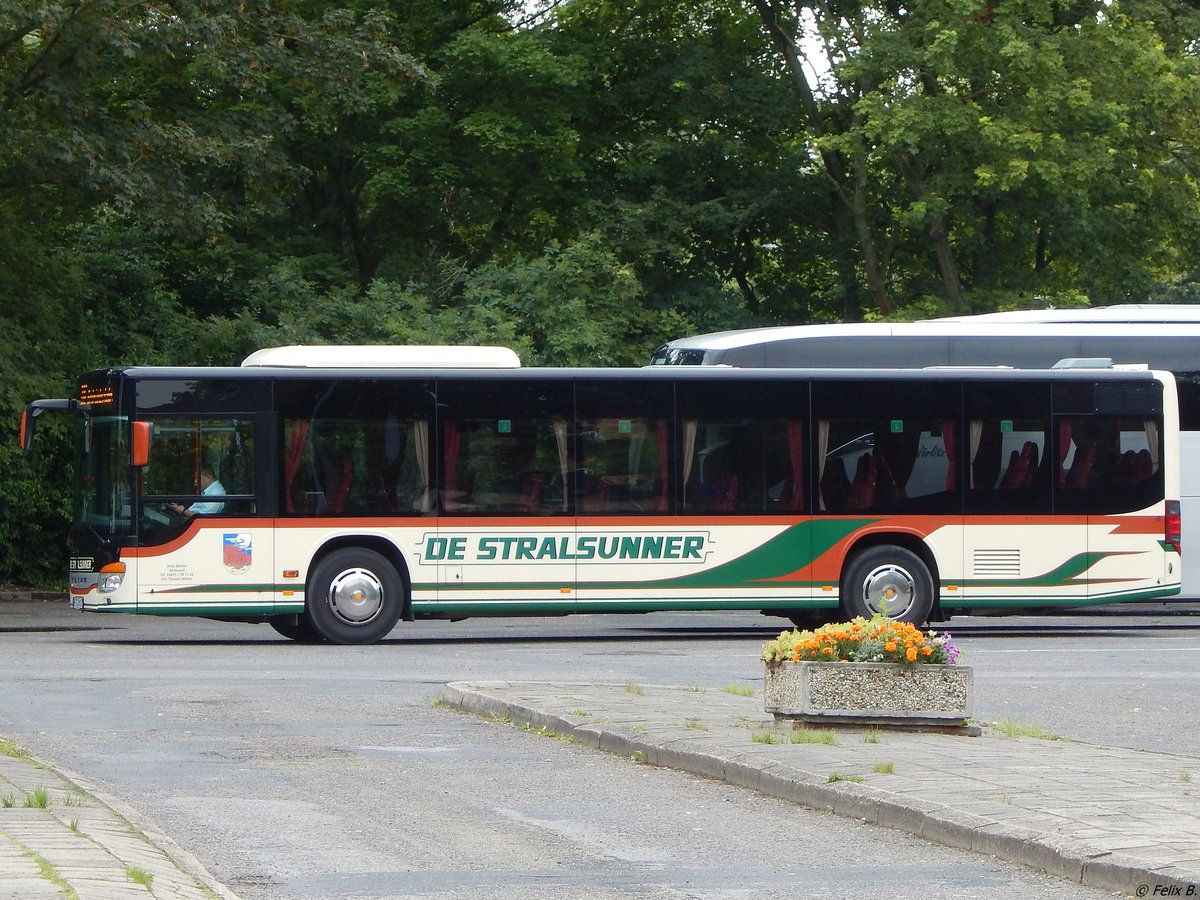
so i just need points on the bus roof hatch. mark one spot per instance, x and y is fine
(384, 356)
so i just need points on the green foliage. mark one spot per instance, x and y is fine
(1033, 147)
(580, 181)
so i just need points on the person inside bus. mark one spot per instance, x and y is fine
(209, 487)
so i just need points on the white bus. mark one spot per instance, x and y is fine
(352, 498)
(1161, 336)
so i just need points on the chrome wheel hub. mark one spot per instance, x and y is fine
(356, 596)
(889, 591)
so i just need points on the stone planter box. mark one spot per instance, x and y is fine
(869, 693)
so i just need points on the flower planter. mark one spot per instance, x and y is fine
(869, 693)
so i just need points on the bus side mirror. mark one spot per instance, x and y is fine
(28, 418)
(142, 432)
(37, 407)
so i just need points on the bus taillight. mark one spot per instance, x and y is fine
(1173, 525)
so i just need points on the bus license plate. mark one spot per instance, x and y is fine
(76, 602)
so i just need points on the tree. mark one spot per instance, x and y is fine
(129, 132)
(999, 145)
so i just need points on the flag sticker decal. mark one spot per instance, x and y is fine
(238, 552)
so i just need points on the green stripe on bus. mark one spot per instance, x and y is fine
(782, 555)
(1066, 574)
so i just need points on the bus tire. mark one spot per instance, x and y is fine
(296, 627)
(354, 596)
(809, 619)
(887, 580)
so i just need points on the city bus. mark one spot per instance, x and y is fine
(1162, 336)
(355, 496)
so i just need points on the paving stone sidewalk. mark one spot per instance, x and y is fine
(1112, 818)
(60, 838)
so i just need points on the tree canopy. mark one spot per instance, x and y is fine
(185, 181)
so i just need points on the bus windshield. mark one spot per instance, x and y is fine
(103, 496)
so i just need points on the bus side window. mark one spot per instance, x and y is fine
(196, 459)
(625, 445)
(1109, 464)
(625, 464)
(742, 466)
(503, 448)
(505, 465)
(900, 464)
(1008, 465)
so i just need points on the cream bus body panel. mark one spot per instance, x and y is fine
(221, 564)
(672, 564)
(215, 567)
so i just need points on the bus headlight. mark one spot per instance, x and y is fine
(111, 577)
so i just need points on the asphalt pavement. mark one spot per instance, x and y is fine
(1112, 818)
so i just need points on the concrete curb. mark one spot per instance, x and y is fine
(115, 837)
(1064, 858)
(185, 861)
(25, 595)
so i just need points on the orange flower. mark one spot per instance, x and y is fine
(911, 654)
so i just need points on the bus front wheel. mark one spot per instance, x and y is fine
(888, 581)
(355, 596)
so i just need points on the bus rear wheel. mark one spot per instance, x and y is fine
(296, 627)
(355, 596)
(889, 581)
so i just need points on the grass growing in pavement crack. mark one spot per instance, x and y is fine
(39, 799)
(1013, 730)
(835, 776)
(765, 737)
(8, 748)
(142, 877)
(813, 736)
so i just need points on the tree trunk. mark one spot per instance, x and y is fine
(947, 265)
(851, 196)
(938, 234)
(842, 236)
(875, 281)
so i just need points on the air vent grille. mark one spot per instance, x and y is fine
(997, 563)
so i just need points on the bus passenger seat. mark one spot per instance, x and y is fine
(337, 501)
(835, 486)
(1012, 472)
(1081, 468)
(596, 500)
(862, 491)
(1021, 467)
(1143, 467)
(727, 501)
(533, 495)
